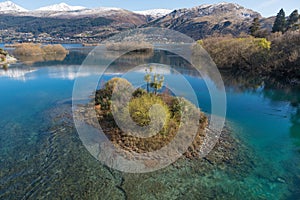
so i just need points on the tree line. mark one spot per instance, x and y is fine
(281, 24)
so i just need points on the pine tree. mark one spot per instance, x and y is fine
(255, 27)
(292, 20)
(280, 22)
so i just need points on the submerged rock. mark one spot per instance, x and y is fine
(280, 180)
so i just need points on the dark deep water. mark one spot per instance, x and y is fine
(41, 155)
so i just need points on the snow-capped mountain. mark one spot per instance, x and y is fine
(75, 12)
(60, 7)
(204, 20)
(223, 8)
(197, 22)
(10, 6)
(155, 13)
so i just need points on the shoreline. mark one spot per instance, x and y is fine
(9, 60)
(225, 152)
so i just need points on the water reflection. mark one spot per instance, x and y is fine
(61, 66)
(31, 59)
(65, 72)
(132, 59)
(75, 57)
(270, 88)
(21, 74)
(66, 67)
(295, 128)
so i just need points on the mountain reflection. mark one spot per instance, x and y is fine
(66, 72)
(20, 74)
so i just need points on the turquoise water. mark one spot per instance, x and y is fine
(41, 155)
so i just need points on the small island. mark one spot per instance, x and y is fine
(141, 107)
(30, 52)
(135, 46)
(228, 152)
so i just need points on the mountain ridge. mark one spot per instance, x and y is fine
(155, 13)
(7, 6)
(60, 7)
(98, 23)
(64, 7)
(11, 6)
(209, 19)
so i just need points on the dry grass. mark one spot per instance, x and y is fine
(31, 49)
(229, 52)
(129, 46)
(30, 53)
(54, 49)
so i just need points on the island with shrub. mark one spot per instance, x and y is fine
(33, 52)
(139, 107)
(140, 110)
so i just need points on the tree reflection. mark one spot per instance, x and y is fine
(271, 88)
(295, 128)
(135, 58)
(31, 59)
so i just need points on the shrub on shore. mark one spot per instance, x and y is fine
(278, 55)
(229, 52)
(286, 48)
(5, 58)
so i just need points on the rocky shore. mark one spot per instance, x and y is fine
(6, 59)
(229, 151)
(230, 159)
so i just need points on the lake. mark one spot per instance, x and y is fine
(42, 156)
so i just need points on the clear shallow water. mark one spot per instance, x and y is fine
(41, 155)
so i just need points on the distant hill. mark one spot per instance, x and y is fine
(154, 13)
(60, 7)
(63, 20)
(8, 6)
(205, 20)
(52, 26)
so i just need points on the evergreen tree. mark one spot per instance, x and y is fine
(157, 82)
(280, 22)
(255, 27)
(292, 20)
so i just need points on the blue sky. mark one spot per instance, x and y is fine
(265, 7)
